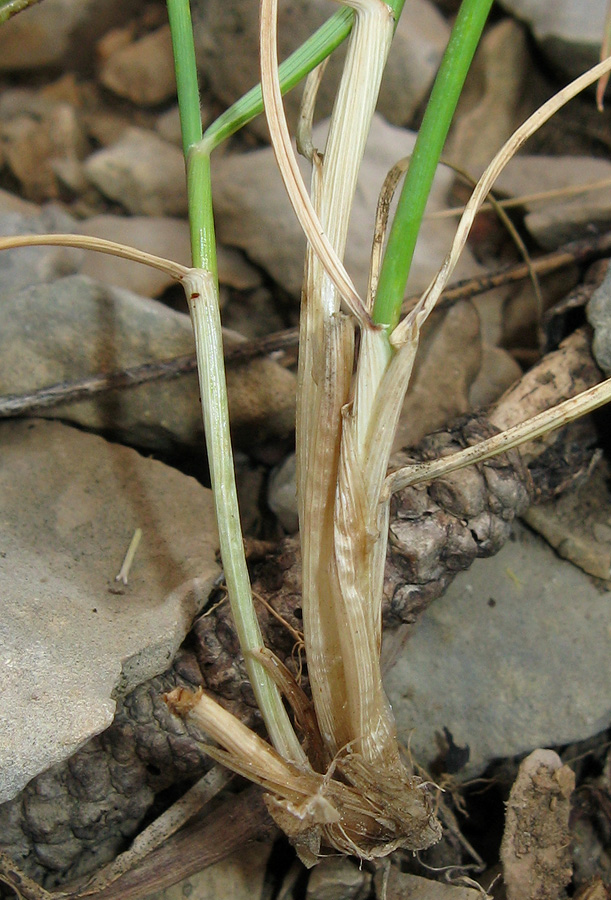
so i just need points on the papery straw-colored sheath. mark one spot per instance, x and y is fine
(364, 813)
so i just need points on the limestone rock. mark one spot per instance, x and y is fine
(448, 362)
(142, 172)
(599, 317)
(143, 71)
(578, 525)
(41, 138)
(338, 879)
(71, 634)
(75, 327)
(13, 203)
(489, 109)
(514, 656)
(403, 886)
(498, 371)
(227, 39)
(282, 494)
(53, 32)
(35, 265)
(253, 218)
(561, 219)
(568, 32)
(162, 236)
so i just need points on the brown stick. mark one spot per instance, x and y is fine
(576, 252)
(204, 841)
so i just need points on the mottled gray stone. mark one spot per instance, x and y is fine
(142, 172)
(75, 327)
(568, 31)
(227, 39)
(57, 31)
(560, 219)
(35, 265)
(262, 222)
(514, 656)
(599, 317)
(70, 635)
(282, 494)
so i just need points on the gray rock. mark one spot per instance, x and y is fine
(599, 317)
(13, 203)
(498, 371)
(162, 236)
(71, 636)
(568, 31)
(490, 106)
(448, 361)
(338, 879)
(282, 494)
(227, 38)
(43, 141)
(35, 265)
(252, 218)
(76, 327)
(57, 31)
(142, 172)
(556, 221)
(143, 71)
(403, 886)
(515, 656)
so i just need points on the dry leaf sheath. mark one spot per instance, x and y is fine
(354, 792)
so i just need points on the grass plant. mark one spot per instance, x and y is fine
(349, 788)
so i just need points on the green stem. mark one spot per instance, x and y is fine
(199, 188)
(425, 158)
(9, 8)
(201, 287)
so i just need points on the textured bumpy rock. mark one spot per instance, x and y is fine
(77, 815)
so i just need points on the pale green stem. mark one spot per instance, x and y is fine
(201, 292)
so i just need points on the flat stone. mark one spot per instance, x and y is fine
(514, 656)
(71, 636)
(490, 106)
(142, 172)
(161, 236)
(142, 71)
(569, 33)
(252, 218)
(57, 31)
(562, 219)
(227, 41)
(75, 327)
(599, 317)
(448, 361)
(576, 524)
(35, 265)
(338, 879)
(403, 886)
